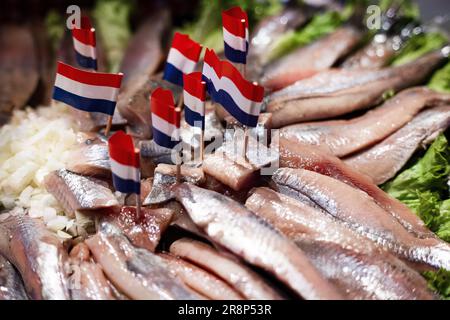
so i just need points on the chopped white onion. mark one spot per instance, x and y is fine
(34, 143)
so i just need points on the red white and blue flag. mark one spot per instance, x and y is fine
(182, 59)
(194, 94)
(87, 91)
(211, 69)
(225, 84)
(85, 45)
(235, 34)
(124, 159)
(165, 119)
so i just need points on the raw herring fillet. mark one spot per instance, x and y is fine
(337, 92)
(267, 32)
(239, 230)
(136, 272)
(11, 285)
(38, 255)
(78, 193)
(360, 212)
(352, 262)
(91, 157)
(382, 161)
(343, 137)
(311, 59)
(315, 159)
(144, 231)
(244, 280)
(199, 280)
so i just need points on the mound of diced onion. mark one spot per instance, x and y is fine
(33, 144)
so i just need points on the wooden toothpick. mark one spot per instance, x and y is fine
(178, 176)
(108, 126)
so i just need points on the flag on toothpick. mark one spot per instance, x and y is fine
(124, 159)
(165, 119)
(211, 72)
(226, 85)
(182, 59)
(85, 90)
(85, 45)
(194, 93)
(235, 34)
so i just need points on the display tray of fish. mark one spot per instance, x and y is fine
(225, 150)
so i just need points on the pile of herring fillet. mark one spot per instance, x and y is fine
(347, 199)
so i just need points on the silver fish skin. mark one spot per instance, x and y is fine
(37, 254)
(244, 280)
(354, 263)
(343, 137)
(318, 56)
(240, 231)
(378, 279)
(394, 35)
(382, 161)
(267, 32)
(200, 280)
(361, 213)
(78, 193)
(91, 157)
(89, 282)
(11, 285)
(312, 158)
(165, 177)
(374, 55)
(336, 92)
(157, 154)
(136, 272)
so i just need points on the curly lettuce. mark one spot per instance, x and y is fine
(55, 27)
(408, 8)
(207, 27)
(320, 25)
(441, 79)
(419, 45)
(439, 281)
(112, 19)
(423, 186)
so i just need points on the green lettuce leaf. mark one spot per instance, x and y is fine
(423, 186)
(112, 20)
(441, 79)
(319, 26)
(442, 221)
(419, 45)
(439, 281)
(409, 8)
(55, 26)
(207, 27)
(430, 173)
